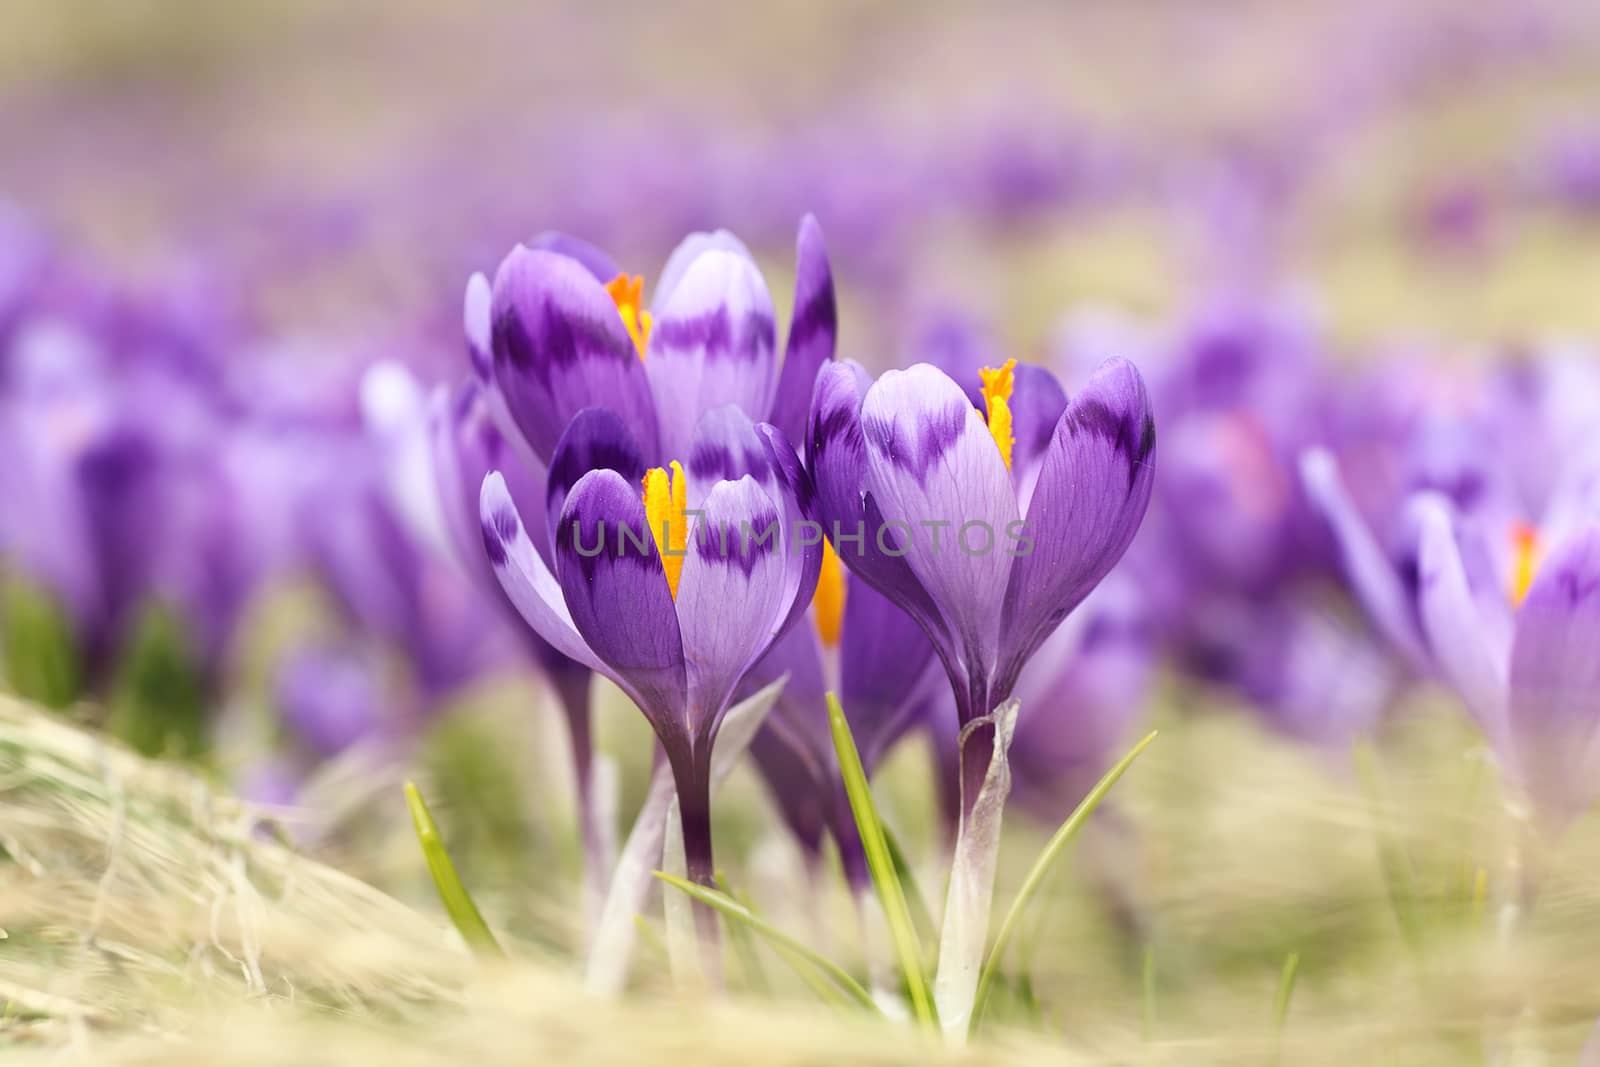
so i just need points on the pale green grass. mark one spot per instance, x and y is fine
(149, 920)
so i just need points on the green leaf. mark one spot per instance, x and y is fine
(453, 895)
(920, 915)
(792, 950)
(891, 894)
(1041, 867)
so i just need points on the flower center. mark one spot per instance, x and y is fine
(829, 599)
(1526, 552)
(666, 503)
(628, 292)
(997, 386)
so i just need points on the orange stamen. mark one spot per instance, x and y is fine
(628, 294)
(997, 387)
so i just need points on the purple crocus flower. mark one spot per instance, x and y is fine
(1362, 491)
(1513, 623)
(673, 592)
(561, 330)
(563, 338)
(987, 532)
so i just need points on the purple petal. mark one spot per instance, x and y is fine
(731, 598)
(800, 708)
(1037, 404)
(794, 749)
(1555, 677)
(525, 577)
(559, 347)
(612, 578)
(477, 323)
(793, 491)
(1093, 489)
(1372, 576)
(596, 439)
(596, 262)
(794, 779)
(726, 447)
(712, 344)
(813, 332)
(1471, 651)
(946, 498)
(683, 257)
(884, 670)
(836, 457)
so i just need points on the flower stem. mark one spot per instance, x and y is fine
(693, 779)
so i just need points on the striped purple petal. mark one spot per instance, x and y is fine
(947, 503)
(1092, 493)
(1555, 678)
(614, 585)
(725, 447)
(813, 332)
(712, 344)
(596, 439)
(560, 346)
(836, 458)
(731, 597)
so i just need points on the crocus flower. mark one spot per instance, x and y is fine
(1512, 618)
(566, 331)
(924, 497)
(673, 585)
(1362, 483)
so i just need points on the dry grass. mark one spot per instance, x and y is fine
(151, 919)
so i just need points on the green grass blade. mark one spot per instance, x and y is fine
(1041, 867)
(787, 946)
(891, 894)
(453, 895)
(1280, 1003)
(921, 917)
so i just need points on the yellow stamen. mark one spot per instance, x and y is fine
(829, 599)
(666, 501)
(629, 296)
(1525, 555)
(997, 386)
